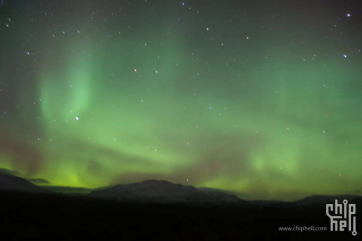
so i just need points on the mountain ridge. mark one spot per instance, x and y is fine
(163, 191)
(11, 182)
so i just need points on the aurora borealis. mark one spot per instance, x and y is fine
(262, 99)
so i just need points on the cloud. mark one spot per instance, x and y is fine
(39, 181)
(21, 155)
(219, 158)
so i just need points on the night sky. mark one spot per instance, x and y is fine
(262, 98)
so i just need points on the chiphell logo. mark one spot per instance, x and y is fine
(342, 216)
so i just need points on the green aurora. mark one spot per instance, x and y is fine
(105, 108)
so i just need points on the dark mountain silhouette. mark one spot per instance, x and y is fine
(321, 200)
(10, 182)
(215, 190)
(157, 210)
(163, 191)
(9, 172)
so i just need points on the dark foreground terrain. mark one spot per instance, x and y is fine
(31, 216)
